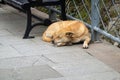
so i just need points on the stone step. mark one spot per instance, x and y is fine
(96, 76)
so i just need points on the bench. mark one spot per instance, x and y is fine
(26, 5)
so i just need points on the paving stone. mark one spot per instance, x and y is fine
(7, 74)
(107, 53)
(2, 10)
(44, 60)
(4, 32)
(37, 73)
(41, 48)
(28, 49)
(13, 40)
(69, 56)
(74, 63)
(29, 73)
(39, 41)
(38, 30)
(11, 21)
(23, 61)
(8, 52)
(49, 48)
(96, 76)
(81, 68)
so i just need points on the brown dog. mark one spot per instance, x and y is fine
(67, 32)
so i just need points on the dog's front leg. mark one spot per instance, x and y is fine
(86, 42)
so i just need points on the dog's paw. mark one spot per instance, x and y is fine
(69, 44)
(60, 44)
(85, 46)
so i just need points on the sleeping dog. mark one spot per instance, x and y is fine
(63, 33)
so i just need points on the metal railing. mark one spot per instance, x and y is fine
(101, 16)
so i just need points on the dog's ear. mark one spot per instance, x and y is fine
(69, 34)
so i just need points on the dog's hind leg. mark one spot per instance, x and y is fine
(45, 38)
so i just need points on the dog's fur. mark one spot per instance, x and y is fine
(67, 32)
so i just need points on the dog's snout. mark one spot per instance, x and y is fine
(53, 42)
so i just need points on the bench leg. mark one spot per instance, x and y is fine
(29, 25)
(1, 1)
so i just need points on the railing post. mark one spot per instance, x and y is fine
(94, 20)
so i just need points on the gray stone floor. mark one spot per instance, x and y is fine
(33, 59)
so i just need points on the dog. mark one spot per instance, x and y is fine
(63, 33)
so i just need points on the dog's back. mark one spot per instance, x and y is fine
(47, 35)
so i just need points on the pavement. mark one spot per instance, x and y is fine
(34, 59)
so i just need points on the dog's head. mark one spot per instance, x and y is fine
(62, 38)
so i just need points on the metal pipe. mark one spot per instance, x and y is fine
(107, 34)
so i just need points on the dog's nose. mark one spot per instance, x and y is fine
(53, 42)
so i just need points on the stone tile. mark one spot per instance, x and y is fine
(74, 56)
(38, 40)
(29, 73)
(82, 67)
(96, 76)
(4, 32)
(13, 40)
(8, 52)
(28, 49)
(42, 48)
(11, 16)
(85, 68)
(37, 73)
(49, 48)
(1, 44)
(74, 63)
(23, 61)
(6, 74)
(2, 10)
(44, 60)
(38, 30)
(10, 22)
(107, 53)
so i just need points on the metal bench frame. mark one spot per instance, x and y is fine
(35, 3)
